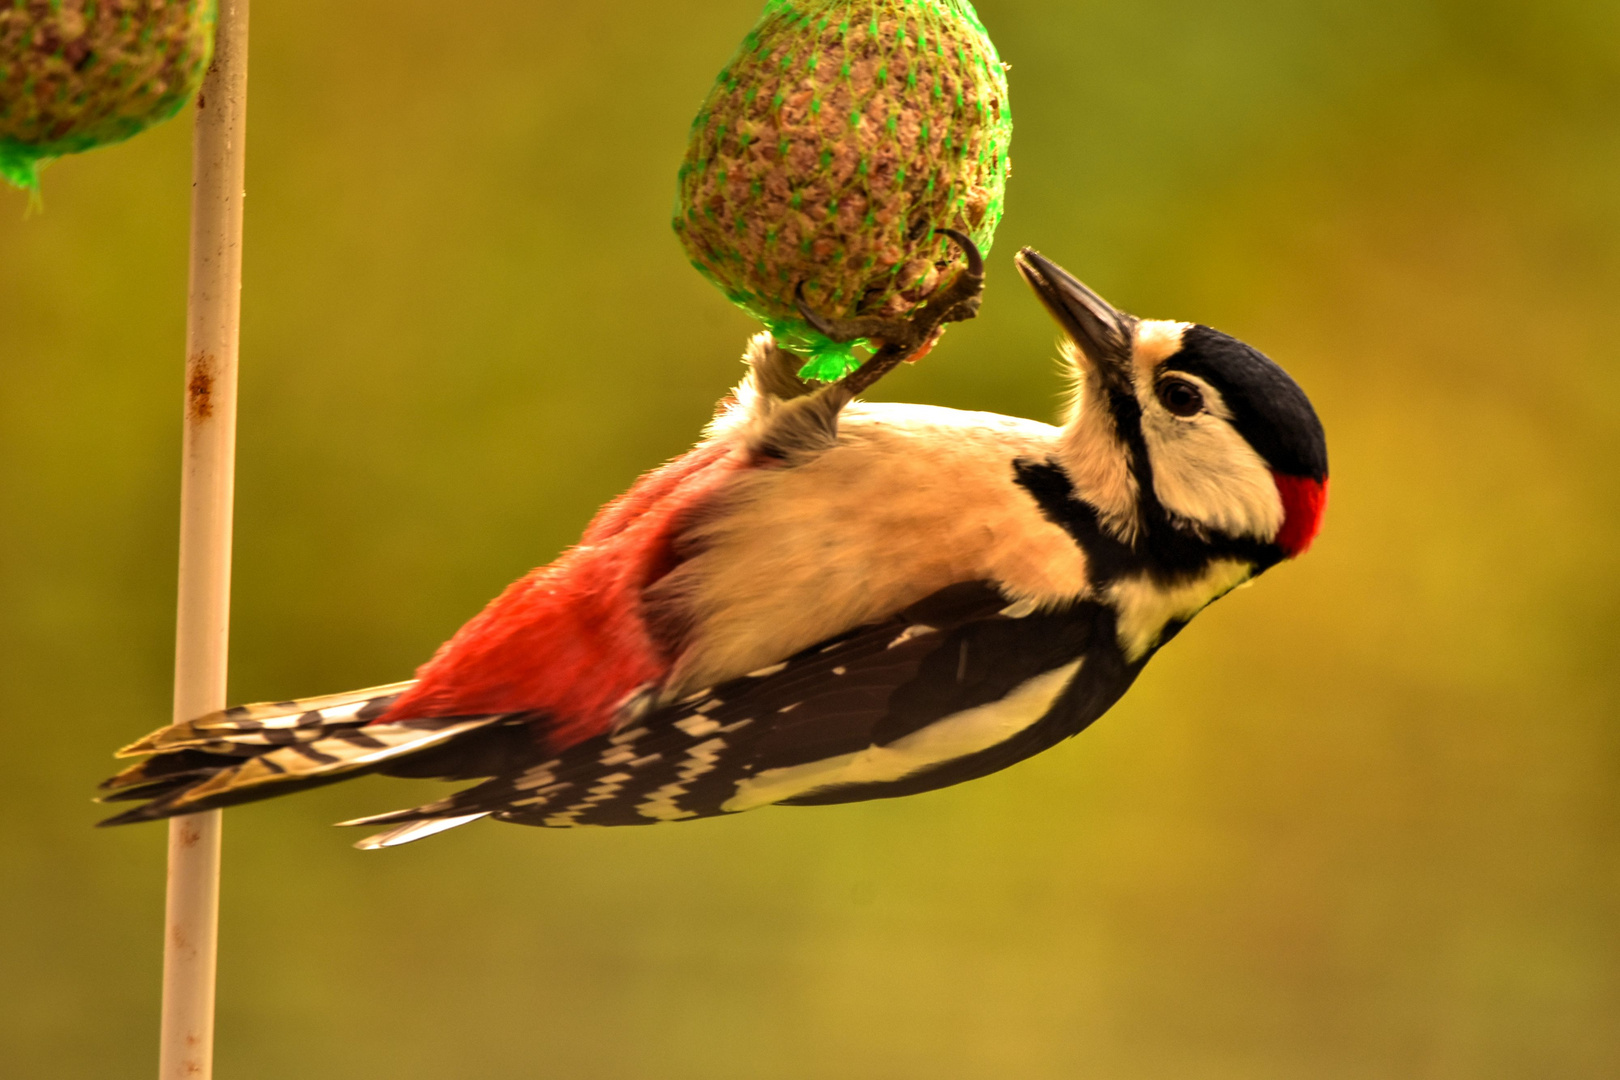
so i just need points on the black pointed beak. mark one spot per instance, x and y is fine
(1102, 332)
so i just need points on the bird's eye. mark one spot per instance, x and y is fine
(1181, 397)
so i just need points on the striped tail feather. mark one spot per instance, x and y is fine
(269, 723)
(253, 752)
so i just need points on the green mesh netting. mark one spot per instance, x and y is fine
(834, 145)
(76, 74)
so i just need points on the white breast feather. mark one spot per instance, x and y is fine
(912, 499)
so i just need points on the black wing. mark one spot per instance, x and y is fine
(957, 686)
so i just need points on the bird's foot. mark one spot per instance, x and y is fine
(908, 337)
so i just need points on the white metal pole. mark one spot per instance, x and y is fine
(213, 309)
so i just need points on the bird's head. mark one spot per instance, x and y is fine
(1178, 428)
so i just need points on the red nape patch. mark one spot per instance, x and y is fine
(570, 639)
(1304, 501)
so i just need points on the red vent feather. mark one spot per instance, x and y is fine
(570, 638)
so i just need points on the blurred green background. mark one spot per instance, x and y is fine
(1361, 821)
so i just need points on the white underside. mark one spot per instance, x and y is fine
(955, 736)
(912, 499)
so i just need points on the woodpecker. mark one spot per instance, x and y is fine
(826, 600)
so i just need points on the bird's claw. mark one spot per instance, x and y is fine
(902, 338)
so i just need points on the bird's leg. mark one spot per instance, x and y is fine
(901, 339)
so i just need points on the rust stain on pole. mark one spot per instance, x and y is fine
(200, 388)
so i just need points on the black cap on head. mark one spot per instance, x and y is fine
(1268, 407)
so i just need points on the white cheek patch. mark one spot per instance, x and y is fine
(1204, 471)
